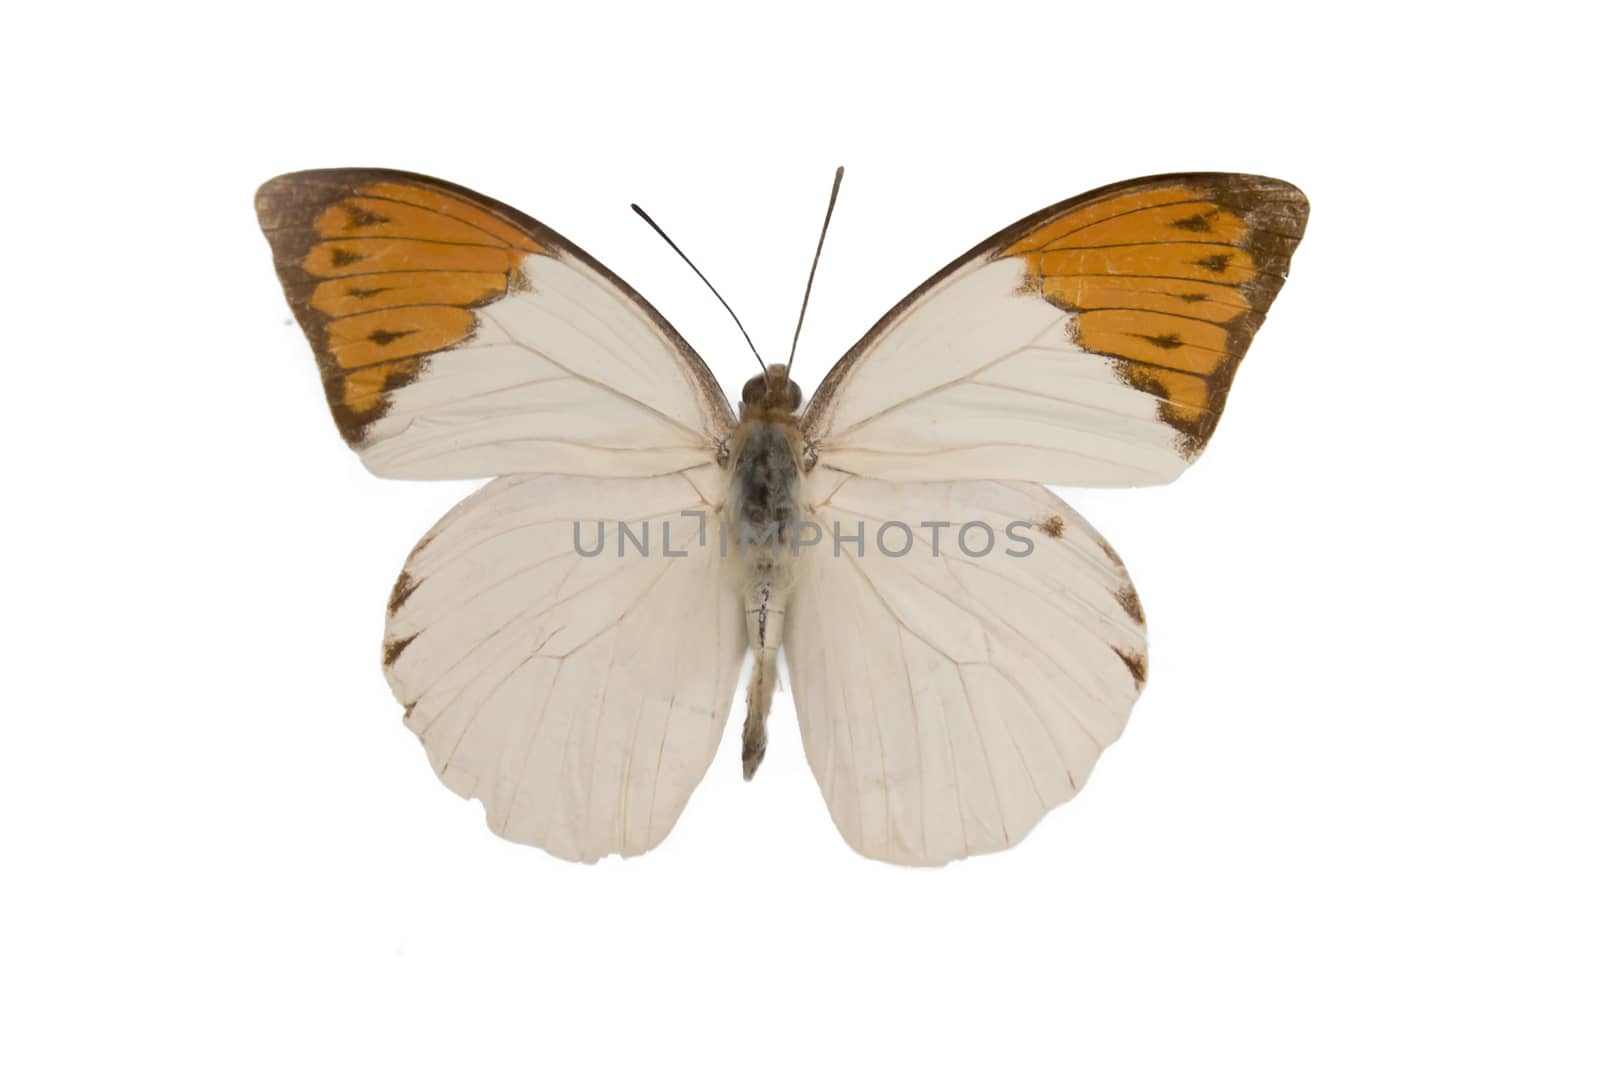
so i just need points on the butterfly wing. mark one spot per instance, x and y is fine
(1090, 344)
(458, 338)
(579, 697)
(948, 699)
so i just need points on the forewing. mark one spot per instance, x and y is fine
(458, 338)
(948, 701)
(579, 697)
(1090, 344)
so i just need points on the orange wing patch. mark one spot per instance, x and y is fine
(383, 270)
(1170, 280)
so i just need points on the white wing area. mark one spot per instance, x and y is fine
(980, 378)
(948, 702)
(569, 375)
(580, 699)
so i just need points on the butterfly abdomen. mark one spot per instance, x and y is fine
(765, 498)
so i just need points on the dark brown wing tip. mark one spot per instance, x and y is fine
(276, 196)
(1275, 208)
(286, 206)
(293, 194)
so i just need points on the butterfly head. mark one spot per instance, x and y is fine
(772, 391)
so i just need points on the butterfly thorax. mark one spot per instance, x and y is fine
(766, 470)
(765, 486)
(764, 508)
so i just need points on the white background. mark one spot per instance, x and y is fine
(1353, 817)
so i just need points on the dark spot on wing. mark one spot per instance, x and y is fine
(1105, 547)
(356, 218)
(404, 587)
(385, 337)
(393, 649)
(1052, 525)
(1129, 600)
(1198, 223)
(1137, 665)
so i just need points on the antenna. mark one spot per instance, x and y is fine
(838, 176)
(641, 213)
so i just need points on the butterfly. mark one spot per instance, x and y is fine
(961, 645)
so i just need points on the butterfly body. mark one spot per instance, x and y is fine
(766, 499)
(961, 645)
